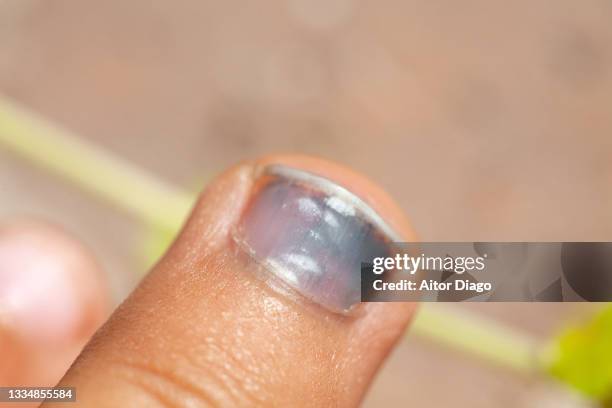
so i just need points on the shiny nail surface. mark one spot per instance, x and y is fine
(313, 235)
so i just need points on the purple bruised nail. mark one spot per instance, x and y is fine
(313, 235)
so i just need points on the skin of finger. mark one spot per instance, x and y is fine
(202, 328)
(37, 347)
(52, 251)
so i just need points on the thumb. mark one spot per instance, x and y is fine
(257, 301)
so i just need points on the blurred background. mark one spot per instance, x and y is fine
(487, 121)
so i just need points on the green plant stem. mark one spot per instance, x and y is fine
(154, 202)
(487, 339)
(117, 181)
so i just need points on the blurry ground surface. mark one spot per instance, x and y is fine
(486, 121)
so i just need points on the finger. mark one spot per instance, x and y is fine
(52, 299)
(248, 306)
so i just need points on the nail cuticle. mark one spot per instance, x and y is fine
(311, 235)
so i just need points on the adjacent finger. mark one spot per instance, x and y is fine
(52, 299)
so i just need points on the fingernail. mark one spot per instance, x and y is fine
(313, 235)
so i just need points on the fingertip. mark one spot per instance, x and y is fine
(248, 304)
(52, 297)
